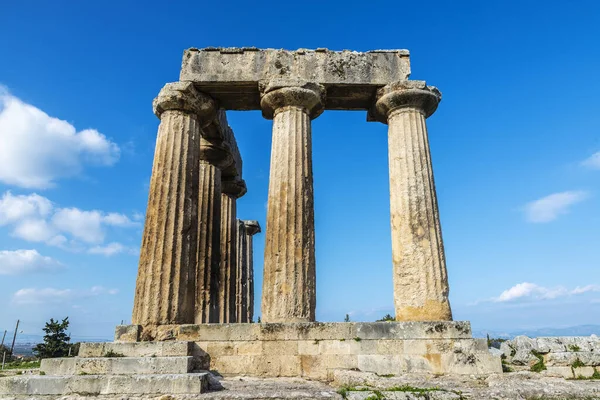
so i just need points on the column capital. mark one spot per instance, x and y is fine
(405, 94)
(252, 227)
(215, 152)
(235, 187)
(276, 95)
(183, 96)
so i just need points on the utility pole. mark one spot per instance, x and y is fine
(14, 338)
(2, 344)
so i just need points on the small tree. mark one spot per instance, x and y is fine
(4, 349)
(347, 318)
(386, 318)
(56, 340)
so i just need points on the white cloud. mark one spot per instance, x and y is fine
(22, 261)
(30, 296)
(38, 149)
(34, 230)
(532, 291)
(35, 218)
(108, 250)
(83, 225)
(14, 208)
(550, 207)
(117, 219)
(592, 161)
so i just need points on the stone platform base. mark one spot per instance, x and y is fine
(314, 350)
(175, 362)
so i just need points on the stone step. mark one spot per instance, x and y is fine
(116, 365)
(170, 384)
(136, 349)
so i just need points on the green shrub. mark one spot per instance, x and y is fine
(577, 363)
(538, 366)
(111, 354)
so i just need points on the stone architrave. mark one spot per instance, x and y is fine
(420, 277)
(289, 265)
(245, 290)
(231, 190)
(167, 276)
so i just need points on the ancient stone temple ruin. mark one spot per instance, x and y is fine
(194, 298)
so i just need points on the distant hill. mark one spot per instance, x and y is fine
(580, 330)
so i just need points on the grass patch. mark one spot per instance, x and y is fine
(112, 354)
(538, 366)
(378, 395)
(357, 339)
(577, 363)
(42, 373)
(573, 347)
(412, 389)
(22, 365)
(385, 375)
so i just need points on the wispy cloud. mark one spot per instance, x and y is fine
(549, 208)
(532, 291)
(35, 218)
(112, 248)
(592, 161)
(30, 296)
(23, 261)
(38, 149)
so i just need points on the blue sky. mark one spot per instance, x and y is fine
(515, 146)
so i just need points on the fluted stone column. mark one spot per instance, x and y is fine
(251, 228)
(289, 269)
(166, 283)
(242, 274)
(420, 278)
(231, 191)
(214, 156)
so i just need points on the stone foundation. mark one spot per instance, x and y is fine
(314, 350)
(568, 357)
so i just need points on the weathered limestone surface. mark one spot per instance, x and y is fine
(314, 350)
(117, 365)
(135, 349)
(569, 356)
(316, 331)
(420, 278)
(92, 385)
(165, 289)
(350, 78)
(289, 293)
(358, 386)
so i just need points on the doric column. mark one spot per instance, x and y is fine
(165, 288)
(420, 278)
(213, 157)
(241, 274)
(231, 190)
(251, 228)
(289, 268)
